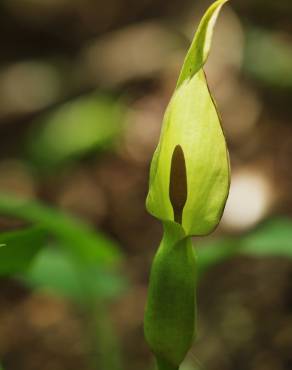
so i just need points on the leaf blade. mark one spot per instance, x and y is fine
(19, 248)
(81, 241)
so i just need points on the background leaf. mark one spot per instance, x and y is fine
(18, 248)
(100, 116)
(54, 270)
(262, 45)
(272, 238)
(85, 245)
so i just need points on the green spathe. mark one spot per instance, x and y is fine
(191, 121)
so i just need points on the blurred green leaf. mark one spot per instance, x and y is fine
(76, 128)
(268, 58)
(81, 241)
(272, 238)
(18, 248)
(54, 270)
(215, 251)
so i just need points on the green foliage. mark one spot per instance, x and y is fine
(76, 128)
(273, 238)
(215, 251)
(261, 46)
(82, 266)
(54, 270)
(18, 248)
(82, 243)
(189, 184)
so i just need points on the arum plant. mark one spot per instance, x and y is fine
(189, 184)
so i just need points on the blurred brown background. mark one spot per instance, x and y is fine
(83, 88)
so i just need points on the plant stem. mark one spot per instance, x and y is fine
(163, 365)
(105, 352)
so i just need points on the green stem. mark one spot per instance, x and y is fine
(170, 314)
(163, 365)
(103, 342)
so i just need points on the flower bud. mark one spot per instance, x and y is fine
(191, 123)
